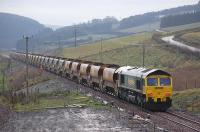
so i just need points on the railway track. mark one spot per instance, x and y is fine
(184, 118)
(181, 120)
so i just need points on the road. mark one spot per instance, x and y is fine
(170, 40)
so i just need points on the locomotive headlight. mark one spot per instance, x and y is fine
(150, 94)
(167, 94)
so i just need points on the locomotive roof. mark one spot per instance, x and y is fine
(140, 71)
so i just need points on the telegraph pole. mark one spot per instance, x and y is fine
(27, 91)
(27, 68)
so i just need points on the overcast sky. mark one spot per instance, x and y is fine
(67, 12)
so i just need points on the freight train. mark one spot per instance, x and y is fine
(149, 88)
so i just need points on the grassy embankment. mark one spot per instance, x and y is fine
(188, 100)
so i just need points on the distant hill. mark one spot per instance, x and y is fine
(95, 29)
(90, 31)
(152, 17)
(13, 27)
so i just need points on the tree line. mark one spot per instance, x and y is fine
(180, 19)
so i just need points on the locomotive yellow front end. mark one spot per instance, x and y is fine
(158, 90)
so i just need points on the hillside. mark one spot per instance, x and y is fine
(13, 27)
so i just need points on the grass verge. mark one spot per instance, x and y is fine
(59, 99)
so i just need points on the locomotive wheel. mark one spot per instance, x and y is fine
(141, 101)
(116, 93)
(119, 94)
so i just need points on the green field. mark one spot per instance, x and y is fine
(94, 48)
(93, 37)
(182, 27)
(142, 28)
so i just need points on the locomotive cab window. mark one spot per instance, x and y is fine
(152, 81)
(138, 84)
(165, 81)
(122, 80)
